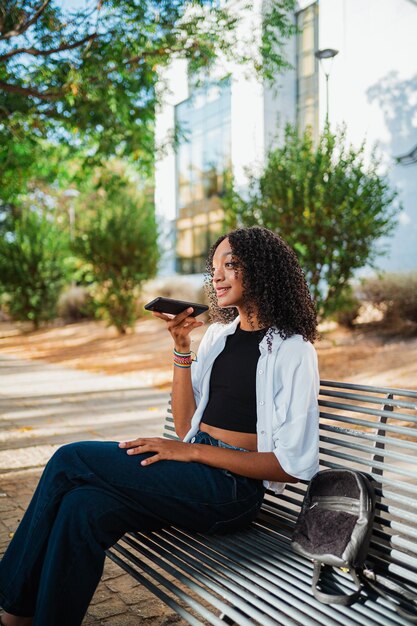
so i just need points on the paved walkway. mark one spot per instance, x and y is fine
(44, 406)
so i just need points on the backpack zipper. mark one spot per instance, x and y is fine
(336, 503)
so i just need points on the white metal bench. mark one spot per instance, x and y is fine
(253, 577)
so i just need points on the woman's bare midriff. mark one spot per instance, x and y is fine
(232, 437)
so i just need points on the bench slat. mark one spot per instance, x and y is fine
(357, 434)
(408, 393)
(357, 460)
(398, 456)
(367, 411)
(401, 430)
(382, 400)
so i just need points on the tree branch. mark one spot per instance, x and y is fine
(37, 52)
(21, 28)
(28, 91)
(161, 51)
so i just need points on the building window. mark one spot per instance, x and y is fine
(202, 160)
(307, 69)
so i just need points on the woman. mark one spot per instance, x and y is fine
(245, 410)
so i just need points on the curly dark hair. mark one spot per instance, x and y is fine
(274, 286)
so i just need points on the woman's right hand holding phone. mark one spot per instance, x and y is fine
(180, 327)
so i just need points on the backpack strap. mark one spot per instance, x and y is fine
(382, 585)
(345, 599)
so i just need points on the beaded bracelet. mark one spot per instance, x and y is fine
(180, 354)
(184, 366)
(183, 359)
(190, 354)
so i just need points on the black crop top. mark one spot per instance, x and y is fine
(232, 399)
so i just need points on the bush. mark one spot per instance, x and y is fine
(118, 244)
(33, 267)
(4, 315)
(74, 304)
(348, 309)
(328, 202)
(395, 295)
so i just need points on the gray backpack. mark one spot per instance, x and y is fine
(334, 529)
(334, 526)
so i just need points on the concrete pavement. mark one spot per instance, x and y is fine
(44, 406)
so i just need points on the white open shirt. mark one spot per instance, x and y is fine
(287, 386)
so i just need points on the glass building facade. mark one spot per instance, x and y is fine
(203, 158)
(307, 70)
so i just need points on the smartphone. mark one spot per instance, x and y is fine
(173, 307)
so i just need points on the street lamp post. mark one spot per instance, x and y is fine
(326, 57)
(71, 194)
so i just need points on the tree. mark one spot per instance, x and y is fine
(26, 166)
(327, 203)
(33, 267)
(117, 241)
(86, 76)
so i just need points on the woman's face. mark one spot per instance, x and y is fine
(227, 277)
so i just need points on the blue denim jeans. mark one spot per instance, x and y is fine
(89, 495)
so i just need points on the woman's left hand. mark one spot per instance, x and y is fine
(164, 449)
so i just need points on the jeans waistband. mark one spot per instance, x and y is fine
(207, 439)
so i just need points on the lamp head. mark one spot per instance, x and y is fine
(326, 53)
